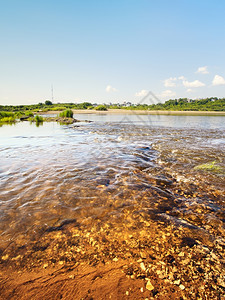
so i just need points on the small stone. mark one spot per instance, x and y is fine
(181, 286)
(16, 258)
(115, 259)
(142, 266)
(149, 286)
(71, 276)
(221, 282)
(45, 266)
(61, 262)
(127, 293)
(177, 282)
(143, 255)
(141, 289)
(214, 256)
(185, 261)
(5, 257)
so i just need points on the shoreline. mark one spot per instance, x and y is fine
(144, 112)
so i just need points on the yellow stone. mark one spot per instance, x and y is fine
(149, 286)
(5, 257)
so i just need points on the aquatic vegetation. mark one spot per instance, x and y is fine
(66, 114)
(7, 117)
(211, 166)
(7, 120)
(39, 119)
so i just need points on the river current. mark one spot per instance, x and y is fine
(109, 171)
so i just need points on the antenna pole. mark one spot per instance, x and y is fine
(52, 93)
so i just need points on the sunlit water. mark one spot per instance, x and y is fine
(93, 170)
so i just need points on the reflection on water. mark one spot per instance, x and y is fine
(111, 174)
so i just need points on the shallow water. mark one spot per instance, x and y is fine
(109, 170)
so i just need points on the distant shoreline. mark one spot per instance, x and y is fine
(142, 112)
(149, 112)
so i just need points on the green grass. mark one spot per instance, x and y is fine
(7, 117)
(7, 120)
(5, 114)
(29, 113)
(58, 108)
(66, 114)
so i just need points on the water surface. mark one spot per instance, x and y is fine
(110, 171)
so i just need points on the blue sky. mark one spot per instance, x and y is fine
(111, 51)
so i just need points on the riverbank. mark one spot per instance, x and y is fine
(142, 112)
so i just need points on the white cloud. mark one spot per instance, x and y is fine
(142, 93)
(167, 94)
(189, 90)
(170, 82)
(218, 80)
(202, 70)
(190, 84)
(110, 89)
(181, 78)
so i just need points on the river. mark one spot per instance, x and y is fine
(115, 173)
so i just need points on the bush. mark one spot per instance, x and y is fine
(66, 114)
(48, 102)
(101, 107)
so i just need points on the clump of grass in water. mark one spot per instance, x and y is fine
(210, 167)
(66, 114)
(38, 119)
(7, 117)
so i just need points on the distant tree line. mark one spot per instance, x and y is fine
(181, 104)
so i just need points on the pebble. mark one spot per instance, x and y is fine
(142, 266)
(143, 255)
(177, 282)
(127, 293)
(181, 286)
(149, 286)
(5, 257)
